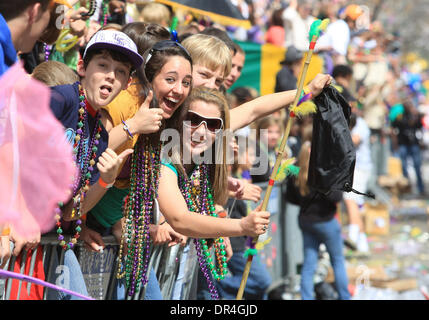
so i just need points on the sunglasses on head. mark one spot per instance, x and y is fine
(165, 44)
(194, 120)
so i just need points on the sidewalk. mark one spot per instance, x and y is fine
(398, 266)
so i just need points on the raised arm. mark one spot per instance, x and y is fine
(265, 105)
(174, 208)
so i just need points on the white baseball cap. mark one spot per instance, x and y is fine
(117, 41)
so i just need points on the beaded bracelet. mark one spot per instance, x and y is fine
(126, 128)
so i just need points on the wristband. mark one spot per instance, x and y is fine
(222, 214)
(163, 222)
(127, 129)
(104, 184)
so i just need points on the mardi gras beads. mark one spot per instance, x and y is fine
(199, 198)
(85, 159)
(138, 205)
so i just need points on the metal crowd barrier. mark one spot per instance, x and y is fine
(281, 253)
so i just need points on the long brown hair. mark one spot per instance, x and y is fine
(218, 171)
(304, 160)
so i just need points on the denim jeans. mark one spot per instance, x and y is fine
(328, 233)
(153, 292)
(257, 283)
(178, 285)
(412, 151)
(69, 276)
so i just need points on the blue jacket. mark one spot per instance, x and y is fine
(8, 54)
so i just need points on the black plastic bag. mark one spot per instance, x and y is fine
(333, 155)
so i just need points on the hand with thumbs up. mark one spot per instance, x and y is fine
(109, 162)
(146, 120)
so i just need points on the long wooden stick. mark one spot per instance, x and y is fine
(276, 165)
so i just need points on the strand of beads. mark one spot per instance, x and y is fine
(85, 159)
(144, 181)
(203, 265)
(47, 51)
(198, 196)
(105, 8)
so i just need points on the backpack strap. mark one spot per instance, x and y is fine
(348, 188)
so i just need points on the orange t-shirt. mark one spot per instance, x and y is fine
(124, 107)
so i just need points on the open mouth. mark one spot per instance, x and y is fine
(171, 103)
(106, 90)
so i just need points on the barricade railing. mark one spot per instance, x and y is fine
(175, 267)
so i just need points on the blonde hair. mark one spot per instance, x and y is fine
(157, 13)
(267, 122)
(209, 51)
(303, 164)
(218, 171)
(54, 73)
(112, 26)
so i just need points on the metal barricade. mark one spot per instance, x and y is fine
(281, 253)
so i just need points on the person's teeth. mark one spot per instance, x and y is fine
(172, 100)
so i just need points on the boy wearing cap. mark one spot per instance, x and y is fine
(108, 61)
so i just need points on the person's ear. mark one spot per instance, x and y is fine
(81, 68)
(33, 11)
(130, 79)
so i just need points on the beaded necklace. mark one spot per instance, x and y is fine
(144, 180)
(105, 8)
(85, 159)
(199, 198)
(48, 49)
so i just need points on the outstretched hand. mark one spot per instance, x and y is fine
(319, 83)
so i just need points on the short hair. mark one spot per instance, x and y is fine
(209, 51)
(12, 9)
(222, 35)
(242, 95)
(155, 12)
(342, 70)
(54, 73)
(111, 26)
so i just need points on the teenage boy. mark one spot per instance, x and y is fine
(22, 22)
(108, 61)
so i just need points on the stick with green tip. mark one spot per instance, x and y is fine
(315, 29)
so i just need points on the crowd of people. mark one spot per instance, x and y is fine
(123, 83)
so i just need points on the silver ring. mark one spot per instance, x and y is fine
(264, 228)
